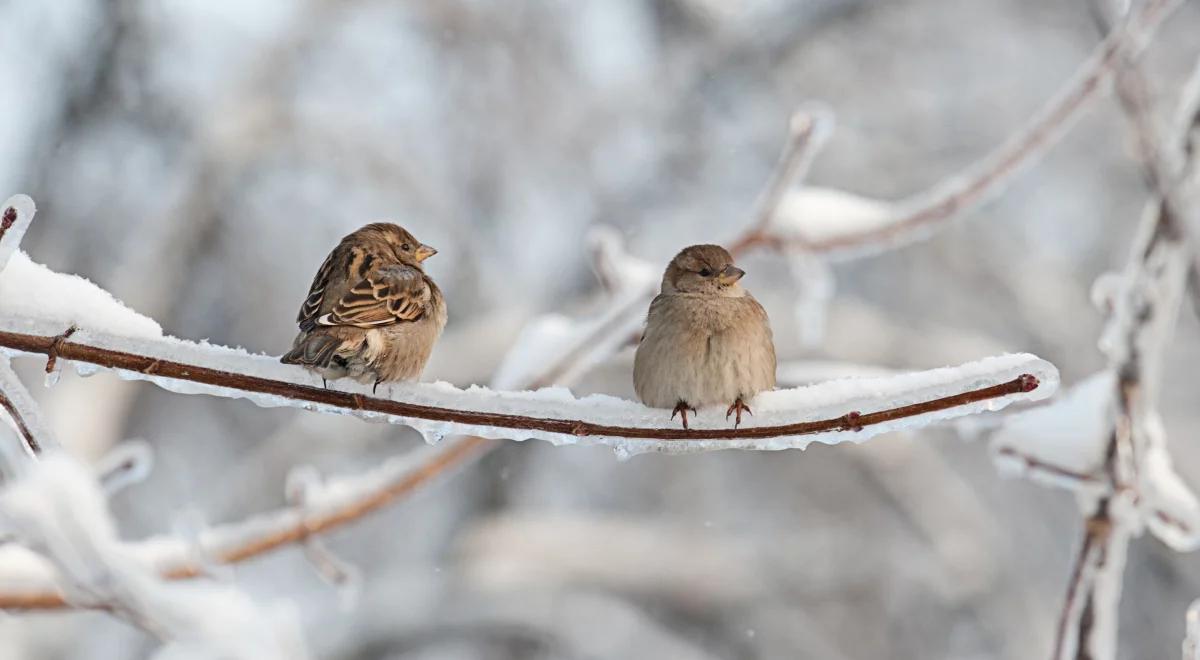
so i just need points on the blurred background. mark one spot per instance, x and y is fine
(199, 158)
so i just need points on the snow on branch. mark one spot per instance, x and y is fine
(15, 215)
(58, 512)
(28, 583)
(18, 405)
(1104, 440)
(792, 418)
(844, 225)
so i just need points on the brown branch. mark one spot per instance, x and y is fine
(142, 364)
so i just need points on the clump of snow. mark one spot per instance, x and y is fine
(820, 215)
(59, 511)
(1171, 510)
(32, 290)
(1070, 434)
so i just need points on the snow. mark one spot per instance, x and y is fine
(33, 290)
(819, 215)
(27, 408)
(25, 209)
(1170, 508)
(1191, 643)
(59, 511)
(787, 406)
(127, 464)
(1070, 434)
(617, 269)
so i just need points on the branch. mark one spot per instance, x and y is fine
(237, 378)
(909, 219)
(1142, 317)
(21, 409)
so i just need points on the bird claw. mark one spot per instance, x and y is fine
(738, 407)
(682, 409)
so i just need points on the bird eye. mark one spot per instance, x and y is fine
(406, 247)
(705, 272)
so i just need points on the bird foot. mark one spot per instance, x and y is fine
(738, 407)
(682, 409)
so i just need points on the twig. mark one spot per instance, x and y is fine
(353, 402)
(1037, 465)
(22, 410)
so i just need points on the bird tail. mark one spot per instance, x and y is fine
(312, 350)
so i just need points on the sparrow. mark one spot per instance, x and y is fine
(707, 340)
(372, 313)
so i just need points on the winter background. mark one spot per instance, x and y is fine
(199, 159)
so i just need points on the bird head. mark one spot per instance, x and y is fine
(408, 249)
(704, 270)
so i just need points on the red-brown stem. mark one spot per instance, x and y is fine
(112, 359)
(10, 217)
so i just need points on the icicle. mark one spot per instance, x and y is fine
(52, 376)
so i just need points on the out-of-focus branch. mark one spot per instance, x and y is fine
(963, 192)
(1142, 317)
(808, 131)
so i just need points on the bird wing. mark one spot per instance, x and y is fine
(311, 307)
(386, 296)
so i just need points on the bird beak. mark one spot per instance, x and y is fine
(424, 252)
(730, 275)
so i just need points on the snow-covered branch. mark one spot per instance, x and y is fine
(791, 418)
(23, 414)
(57, 511)
(838, 224)
(1104, 439)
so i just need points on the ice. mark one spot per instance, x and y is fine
(1069, 434)
(12, 234)
(27, 410)
(126, 464)
(30, 289)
